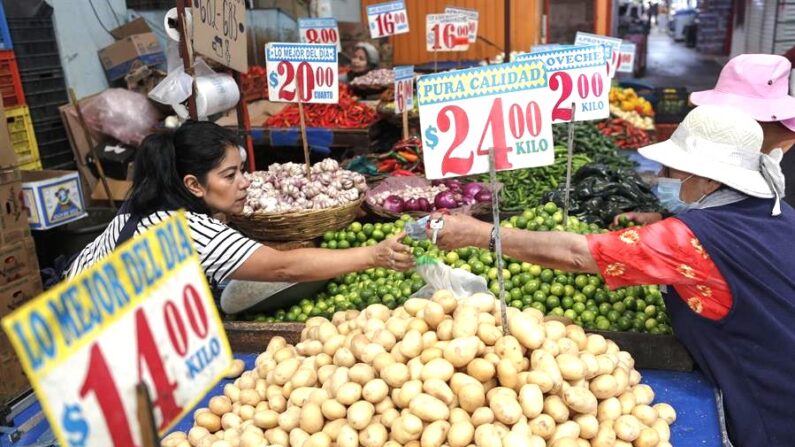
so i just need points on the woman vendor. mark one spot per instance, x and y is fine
(198, 168)
(758, 84)
(365, 58)
(727, 259)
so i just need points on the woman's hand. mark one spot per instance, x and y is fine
(461, 231)
(641, 218)
(393, 254)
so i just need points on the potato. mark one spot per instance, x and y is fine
(541, 379)
(627, 400)
(434, 434)
(409, 391)
(318, 440)
(395, 375)
(648, 438)
(347, 437)
(375, 391)
(482, 415)
(437, 369)
(541, 360)
(555, 407)
(571, 367)
(531, 399)
(506, 409)
(605, 437)
(565, 442)
(290, 419)
(173, 439)
(644, 395)
(232, 392)
(298, 437)
(439, 389)
(266, 419)
(311, 419)
(344, 357)
(471, 397)
(433, 314)
(662, 429)
(580, 400)
(627, 428)
(361, 373)
(487, 436)
(527, 331)
(608, 410)
(220, 405)
(596, 344)
(589, 425)
(604, 386)
(460, 351)
(645, 414)
(543, 425)
(411, 345)
(277, 436)
(429, 408)
(554, 329)
(665, 412)
(568, 429)
(208, 420)
(360, 414)
(196, 433)
(284, 371)
(481, 369)
(407, 428)
(246, 412)
(221, 443)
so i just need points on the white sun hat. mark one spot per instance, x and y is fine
(723, 144)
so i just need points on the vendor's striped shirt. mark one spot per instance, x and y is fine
(221, 249)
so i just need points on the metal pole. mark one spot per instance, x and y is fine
(507, 45)
(185, 51)
(569, 155)
(495, 216)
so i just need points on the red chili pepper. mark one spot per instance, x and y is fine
(402, 173)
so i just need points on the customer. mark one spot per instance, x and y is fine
(198, 169)
(365, 58)
(759, 85)
(728, 259)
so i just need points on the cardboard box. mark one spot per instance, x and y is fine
(14, 295)
(119, 189)
(53, 198)
(18, 260)
(14, 380)
(13, 214)
(136, 42)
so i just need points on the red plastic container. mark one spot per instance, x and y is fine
(10, 81)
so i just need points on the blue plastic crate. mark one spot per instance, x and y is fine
(5, 34)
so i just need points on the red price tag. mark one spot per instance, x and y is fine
(319, 30)
(465, 113)
(387, 19)
(612, 47)
(144, 315)
(447, 32)
(302, 72)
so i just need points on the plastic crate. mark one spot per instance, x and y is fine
(44, 80)
(10, 81)
(33, 62)
(32, 166)
(48, 131)
(672, 105)
(36, 98)
(31, 29)
(5, 33)
(23, 138)
(46, 111)
(62, 160)
(36, 47)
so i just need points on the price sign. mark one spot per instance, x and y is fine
(320, 30)
(145, 315)
(404, 88)
(612, 47)
(219, 32)
(446, 32)
(626, 58)
(472, 16)
(302, 72)
(387, 19)
(576, 74)
(466, 112)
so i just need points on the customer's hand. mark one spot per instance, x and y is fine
(641, 218)
(392, 254)
(460, 231)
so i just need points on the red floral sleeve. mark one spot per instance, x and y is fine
(665, 253)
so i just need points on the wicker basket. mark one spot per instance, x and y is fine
(297, 226)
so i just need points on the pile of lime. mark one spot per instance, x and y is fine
(584, 298)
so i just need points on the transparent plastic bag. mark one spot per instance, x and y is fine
(438, 276)
(124, 115)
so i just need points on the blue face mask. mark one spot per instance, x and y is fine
(667, 191)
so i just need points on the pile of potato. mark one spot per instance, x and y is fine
(434, 373)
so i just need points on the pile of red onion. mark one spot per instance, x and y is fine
(441, 194)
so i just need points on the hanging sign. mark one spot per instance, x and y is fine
(387, 19)
(144, 314)
(446, 32)
(404, 88)
(626, 58)
(576, 74)
(219, 32)
(472, 16)
(319, 30)
(612, 48)
(308, 70)
(466, 112)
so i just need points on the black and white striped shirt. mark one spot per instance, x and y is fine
(221, 249)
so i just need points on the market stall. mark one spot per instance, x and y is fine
(470, 347)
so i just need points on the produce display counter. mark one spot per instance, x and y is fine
(688, 392)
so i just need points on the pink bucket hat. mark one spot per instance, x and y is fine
(756, 83)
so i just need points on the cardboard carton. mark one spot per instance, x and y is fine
(18, 260)
(136, 42)
(53, 198)
(13, 214)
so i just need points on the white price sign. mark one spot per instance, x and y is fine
(626, 58)
(612, 47)
(320, 30)
(576, 74)
(387, 19)
(404, 88)
(144, 315)
(446, 32)
(472, 16)
(302, 72)
(466, 112)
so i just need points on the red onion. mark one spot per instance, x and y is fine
(423, 204)
(454, 185)
(393, 204)
(483, 196)
(445, 200)
(469, 200)
(411, 204)
(472, 189)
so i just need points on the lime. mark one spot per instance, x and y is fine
(568, 313)
(367, 229)
(378, 235)
(569, 290)
(539, 306)
(547, 275)
(540, 297)
(516, 293)
(650, 311)
(587, 316)
(619, 307)
(557, 311)
(388, 228)
(477, 267)
(579, 298)
(324, 245)
(328, 236)
(544, 287)
(550, 207)
(650, 324)
(624, 323)
(530, 287)
(603, 325)
(495, 288)
(514, 268)
(567, 302)
(344, 244)
(556, 289)
(509, 285)
(529, 214)
(521, 222)
(517, 303)
(553, 301)
(526, 267)
(492, 273)
(355, 227)
(601, 296)
(332, 245)
(613, 316)
(535, 270)
(640, 305)
(604, 308)
(361, 237)
(589, 291)
(557, 217)
(465, 267)
(486, 258)
(581, 281)
(578, 307)
(452, 258)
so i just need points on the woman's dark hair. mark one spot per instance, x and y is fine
(164, 159)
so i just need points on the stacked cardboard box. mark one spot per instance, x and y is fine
(19, 268)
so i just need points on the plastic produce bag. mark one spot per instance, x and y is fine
(124, 115)
(177, 87)
(440, 276)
